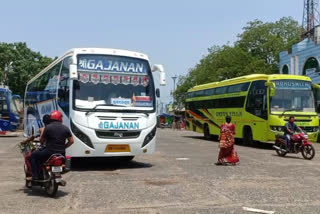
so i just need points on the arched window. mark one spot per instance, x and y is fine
(285, 69)
(311, 65)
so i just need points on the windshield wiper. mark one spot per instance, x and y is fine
(292, 109)
(95, 107)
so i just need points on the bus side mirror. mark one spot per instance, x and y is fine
(160, 69)
(73, 69)
(157, 92)
(272, 88)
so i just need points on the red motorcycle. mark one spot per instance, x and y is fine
(50, 172)
(299, 143)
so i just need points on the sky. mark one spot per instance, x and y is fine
(176, 34)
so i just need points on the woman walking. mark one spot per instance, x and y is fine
(227, 152)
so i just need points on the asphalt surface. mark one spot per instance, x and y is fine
(180, 177)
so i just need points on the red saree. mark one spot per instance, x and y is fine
(227, 152)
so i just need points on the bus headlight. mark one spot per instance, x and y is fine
(277, 128)
(149, 137)
(82, 136)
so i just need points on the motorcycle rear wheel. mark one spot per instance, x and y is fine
(308, 152)
(52, 187)
(282, 147)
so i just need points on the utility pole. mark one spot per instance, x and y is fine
(7, 69)
(174, 86)
(310, 18)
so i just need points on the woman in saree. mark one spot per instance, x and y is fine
(227, 152)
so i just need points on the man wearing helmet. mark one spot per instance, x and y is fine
(55, 135)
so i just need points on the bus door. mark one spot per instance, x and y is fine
(4, 112)
(257, 107)
(316, 94)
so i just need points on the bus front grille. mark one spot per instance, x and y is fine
(117, 134)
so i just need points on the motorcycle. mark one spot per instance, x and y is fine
(299, 143)
(50, 171)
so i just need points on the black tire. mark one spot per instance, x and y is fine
(52, 187)
(215, 137)
(282, 146)
(308, 152)
(247, 136)
(206, 132)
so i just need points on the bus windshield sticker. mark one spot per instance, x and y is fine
(293, 84)
(121, 101)
(115, 79)
(84, 77)
(142, 101)
(125, 80)
(111, 63)
(95, 78)
(105, 78)
(145, 81)
(135, 80)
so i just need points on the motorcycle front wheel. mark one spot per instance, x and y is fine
(308, 152)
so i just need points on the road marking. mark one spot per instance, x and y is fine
(257, 210)
(182, 158)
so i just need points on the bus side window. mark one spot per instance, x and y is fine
(63, 89)
(256, 101)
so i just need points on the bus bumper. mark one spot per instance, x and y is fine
(80, 149)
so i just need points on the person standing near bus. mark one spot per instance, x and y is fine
(227, 152)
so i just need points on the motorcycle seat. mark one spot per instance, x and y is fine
(57, 155)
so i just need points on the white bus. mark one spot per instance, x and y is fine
(107, 97)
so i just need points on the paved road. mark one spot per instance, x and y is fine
(179, 178)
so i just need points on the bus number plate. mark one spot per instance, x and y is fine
(118, 148)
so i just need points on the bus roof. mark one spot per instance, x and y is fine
(107, 51)
(248, 78)
(103, 51)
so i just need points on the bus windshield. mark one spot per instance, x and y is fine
(292, 95)
(13, 107)
(113, 81)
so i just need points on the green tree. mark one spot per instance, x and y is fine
(256, 51)
(25, 65)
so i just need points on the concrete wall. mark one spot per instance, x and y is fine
(301, 52)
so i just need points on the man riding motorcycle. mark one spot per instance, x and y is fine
(289, 130)
(55, 135)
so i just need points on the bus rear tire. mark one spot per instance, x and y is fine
(247, 136)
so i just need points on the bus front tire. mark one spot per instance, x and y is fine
(247, 136)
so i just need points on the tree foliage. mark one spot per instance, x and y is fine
(256, 51)
(25, 65)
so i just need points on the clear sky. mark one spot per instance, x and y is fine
(173, 33)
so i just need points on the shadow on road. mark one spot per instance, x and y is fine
(258, 145)
(290, 157)
(107, 164)
(39, 191)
